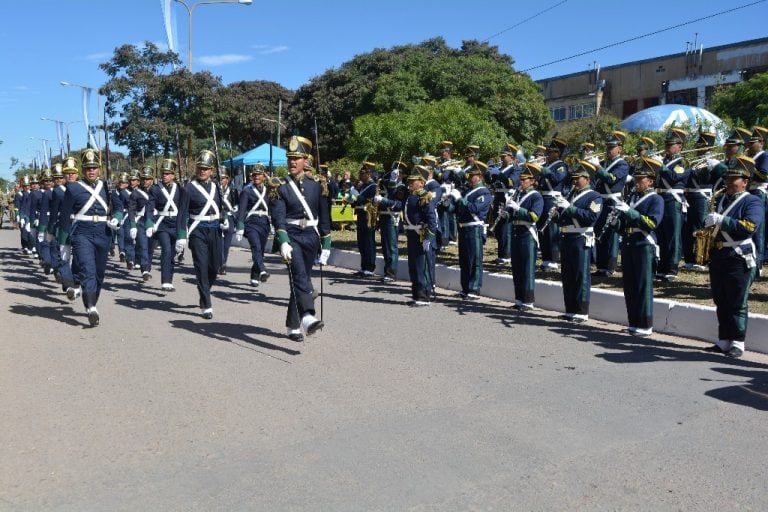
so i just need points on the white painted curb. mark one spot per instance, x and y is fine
(671, 317)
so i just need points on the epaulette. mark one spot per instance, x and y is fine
(273, 183)
(426, 198)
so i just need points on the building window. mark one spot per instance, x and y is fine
(650, 102)
(630, 107)
(559, 113)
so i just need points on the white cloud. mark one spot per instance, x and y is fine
(99, 56)
(222, 60)
(21, 88)
(266, 49)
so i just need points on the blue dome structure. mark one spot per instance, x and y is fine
(661, 117)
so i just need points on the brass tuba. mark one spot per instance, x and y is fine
(703, 238)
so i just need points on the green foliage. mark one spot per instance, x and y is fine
(744, 104)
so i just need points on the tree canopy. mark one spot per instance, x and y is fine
(743, 104)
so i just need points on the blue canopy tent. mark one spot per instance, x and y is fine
(661, 117)
(259, 155)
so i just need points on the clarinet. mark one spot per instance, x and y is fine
(551, 214)
(611, 221)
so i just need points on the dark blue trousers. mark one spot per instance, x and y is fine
(167, 240)
(523, 264)
(418, 268)
(549, 239)
(388, 226)
(306, 246)
(226, 240)
(575, 275)
(257, 233)
(638, 264)
(205, 244)
(471, 241)
(366, 243)
(668, 235)
(90, 248)
(143, 249)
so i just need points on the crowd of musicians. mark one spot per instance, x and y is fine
(655, 208)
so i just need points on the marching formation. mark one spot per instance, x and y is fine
(643, 214)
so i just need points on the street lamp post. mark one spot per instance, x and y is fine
(66, 125)
(45, 142)
(277, 125)
(85, 112)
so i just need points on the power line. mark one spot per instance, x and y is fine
(523, 21)
(581, 54)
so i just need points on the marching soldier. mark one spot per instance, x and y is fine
(505, 182)
(138, 213)
(35, 198)
(698, 192)
(42, 228)
(610, 179)
(672, 180)
(366, 234)
(162, 214)
(733, 265)
(84, 229)
(253, 222)
(759, 187)
(390, 207)
(64, 264)
(471, 212)
(118, 201)
(299, 209)
(553, 177)
(229, 201)
(21, 204)
(54, 204)
(125, 225)
(420, 225)
(200, 221)
(577, 217)
(525, 208)
(640, 219)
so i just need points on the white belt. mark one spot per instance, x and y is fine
(673, 191)
(615, 196)
(412, 227)
(302, 223)
(90, 218)
(521, 223)
(553, 193)
(762, 186)
(473, 223)
(359, 208)
(257, 212)
(385, 212)
(502, 190)
(204, 218)
(574, 229)
(736, 243)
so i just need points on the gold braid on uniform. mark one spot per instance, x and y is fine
(323, 185)
(425, 197)
(273, 183)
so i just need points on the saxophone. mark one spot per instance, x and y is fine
(372, 209)
(704, 238)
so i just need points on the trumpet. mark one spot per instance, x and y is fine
(703, 161)
(456, 163)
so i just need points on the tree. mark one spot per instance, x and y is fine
(743, 104)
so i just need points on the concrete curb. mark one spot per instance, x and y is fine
(670, 317)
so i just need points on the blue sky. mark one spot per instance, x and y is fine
(45, 42)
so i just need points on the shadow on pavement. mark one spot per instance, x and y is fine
(63, 314)
(228, 332)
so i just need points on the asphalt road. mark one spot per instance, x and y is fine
(452, 407)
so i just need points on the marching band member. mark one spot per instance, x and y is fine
(199, 224)
(525, 209)
(137, 211)
(161, 216)
(672, 179)
(698, 191)
(471, 212)
(553, 176)
(433, 187)
(733, 265)
(299, 209)
(253, 222)
(229, 202)
(505, 182)
(366, 235)
(84, 230)
(420, 225)
(390, 207)
(449, 169)
(610, 179)
(577, 217)
(640, 219)
(759, 187)
(471, 155)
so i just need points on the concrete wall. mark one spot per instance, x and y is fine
(678, 318)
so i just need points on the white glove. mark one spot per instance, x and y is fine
(377, 198)
(455, 194)
(113, 224)
(49, 237)
(35, 223)
(149, 232)
(513, 205)
(21, 223)
(446, 188)
(225, 225)
(28, 228)
(713, 218)
(622, 206)
(239, 235)
(712, 163)
(285, 251)
(65, 251)
(324, 255)
(132, 233)
(427, 245)
(562, 202)
(40, 237)
(181, 244)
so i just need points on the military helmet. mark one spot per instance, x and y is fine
(530, 170)
(645, 143)
(70, 166)
(615, 138)
(123, 177)
(472, 150)
(558, 145)
(478, 168)
(759, 134)
(429, 160)
(706, 139)
(147, 173)
(57, 170)
(583, 168)
(419, 172)
(133, 175)
(25, 180)
(169, 166)
(738, 136)
(647, 167)
(675, 136)
(206, 159)
(257, 169)
(299, 147)
(223, 172)
(90, 159)
(34, 179)
(740, 166)
(47, 175)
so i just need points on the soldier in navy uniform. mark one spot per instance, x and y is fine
(759, 187)
(506, 181)
(390, 206)
(230, 200)
(138, 213)
(52, 218)
(366, 236)
(672, 179)
(199, 223)
(118, 201)
(432, 186)
(733, 257)
(525, 209)
(299, 209)
(64, 265)
(639, 221)
(35, 198)
(253, 222)
(160, 221)
(18, 201)
(449, 179)
(125, 225)
(420, 225)
(698, 192)
(471, 211)
(553, 176)
(83, 227)
(42, 228)
(610, 179)
(577, 217)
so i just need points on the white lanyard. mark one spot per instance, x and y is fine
(573, 201)
(95, 196)
(143, 211)
(303, 202)
(259, 202)
(225, 199)
(170, 208)
(210, 202)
